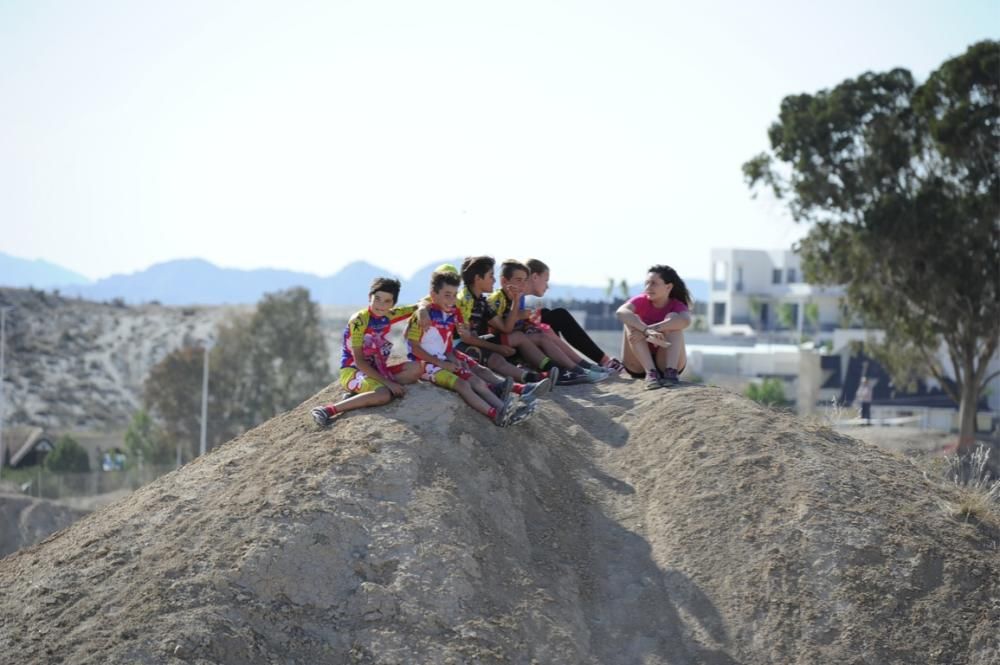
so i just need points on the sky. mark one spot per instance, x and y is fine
(599, 136)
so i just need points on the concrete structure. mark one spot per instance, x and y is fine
(753, 290)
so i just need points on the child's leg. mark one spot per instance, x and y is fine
(564, 346)
(563, 323)
(408, 372)
(483, 390)
(484, 373)
(367, 392)
(375, 398)
(464, 388)
(552, 350)
(503, 367)
(531, 353)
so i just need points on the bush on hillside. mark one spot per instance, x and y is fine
(67, 456)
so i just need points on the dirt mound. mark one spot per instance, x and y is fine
(617, 526)
(25, 521)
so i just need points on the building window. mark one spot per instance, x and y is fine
(739, 279)
(719, 275)
(776, 276)
(792, 278)
(718, 313)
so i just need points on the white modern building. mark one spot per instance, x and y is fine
(755, 290)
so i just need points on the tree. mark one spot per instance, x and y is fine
(260, 365)
(67, 456)
(290, 348)
(146, 441)
(900, 184)
(623, 289)
(173, 393)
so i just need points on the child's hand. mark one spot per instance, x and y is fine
(506, 351)
(449, 366)
(536, 315)
(396, 389)
(423, 318)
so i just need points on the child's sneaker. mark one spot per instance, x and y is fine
(571, 377)
(614, 366)
(669, 378)
(500, 419)
(653, 380)
(320, 415)
(553, 377)
(595, 374)
(502, 389)
(533, 391)
(521, 413)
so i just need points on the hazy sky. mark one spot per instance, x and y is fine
(599, 136)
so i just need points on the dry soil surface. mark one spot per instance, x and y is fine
(620, 526)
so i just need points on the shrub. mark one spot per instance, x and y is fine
(770, 392)
(68, 455)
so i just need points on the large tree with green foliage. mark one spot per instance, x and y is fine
(260, 365)
(900, 183)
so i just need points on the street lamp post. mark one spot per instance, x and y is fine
(3, 403)
(204, 400)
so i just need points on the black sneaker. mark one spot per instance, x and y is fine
(502, 389)
(669, 378)
(571, 377)
(531, 376)
(320, 415)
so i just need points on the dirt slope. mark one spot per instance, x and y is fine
(618, 526)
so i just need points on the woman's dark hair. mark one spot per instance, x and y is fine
(439, 279)
(476, 266)
(386, 284)
(670, 276)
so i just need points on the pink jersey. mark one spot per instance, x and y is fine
(649, 314)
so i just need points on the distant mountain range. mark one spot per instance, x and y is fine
(198, 282)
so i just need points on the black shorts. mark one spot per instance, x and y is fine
(642, 375)
(478, 353)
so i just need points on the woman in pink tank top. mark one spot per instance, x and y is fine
(653, 340)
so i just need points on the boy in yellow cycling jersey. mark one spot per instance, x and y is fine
(364, 365)
(433, 348)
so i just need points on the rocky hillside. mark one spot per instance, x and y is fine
(618, 526)
(80, 365)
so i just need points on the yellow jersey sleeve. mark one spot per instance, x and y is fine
(357, 325)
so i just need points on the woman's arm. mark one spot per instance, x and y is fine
(626, 314)
(673, 321)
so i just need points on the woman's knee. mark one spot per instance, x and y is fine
(634, 336)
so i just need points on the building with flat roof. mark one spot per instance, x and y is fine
(755, 291)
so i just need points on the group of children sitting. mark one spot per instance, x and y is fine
(489, 348)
